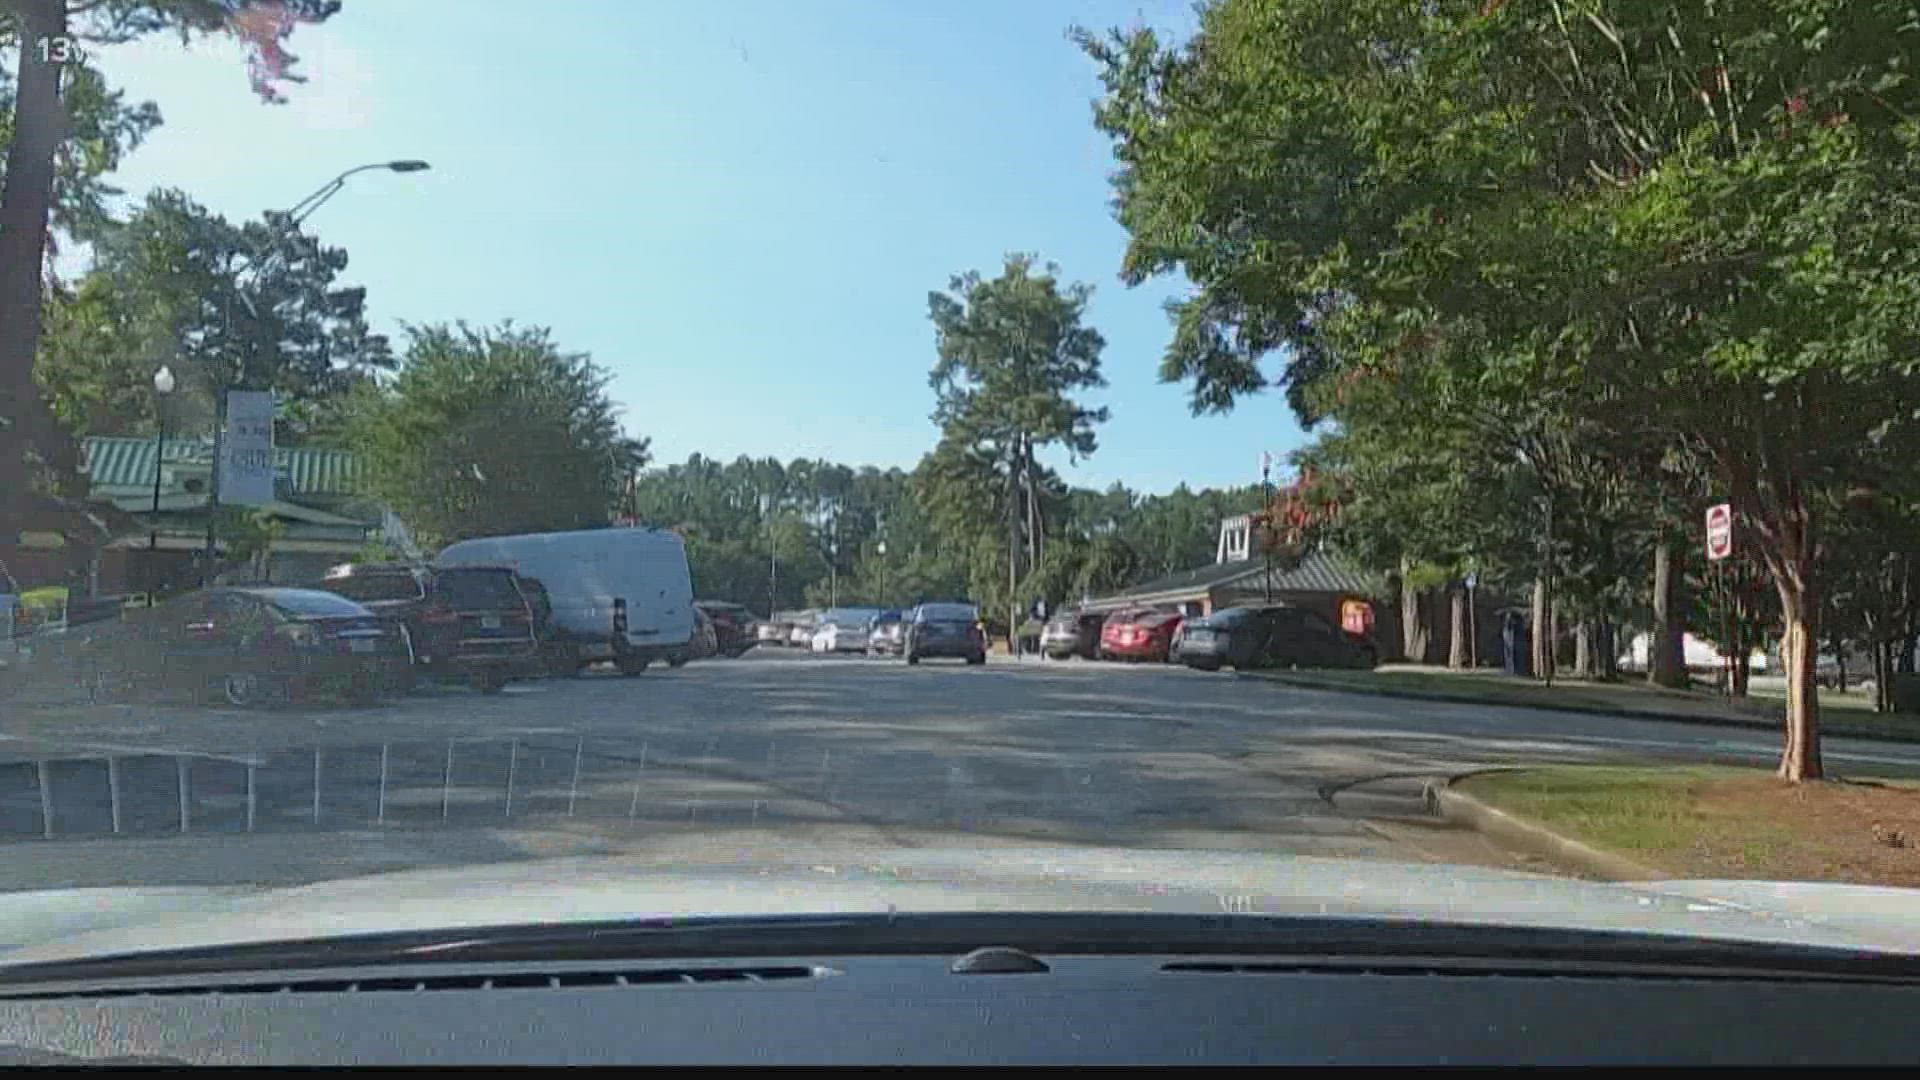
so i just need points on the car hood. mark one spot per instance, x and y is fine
(73, 924)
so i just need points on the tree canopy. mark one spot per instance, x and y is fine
(224, 306)
(1011, 353)
(65, 129)
(1529, 216)
(493, 431)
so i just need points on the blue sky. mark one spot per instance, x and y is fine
(737, 208)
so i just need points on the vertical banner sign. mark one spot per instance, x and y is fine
(1719, 531)
(246, 454)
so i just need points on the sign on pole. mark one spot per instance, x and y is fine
(1719, 531)
(246, 451)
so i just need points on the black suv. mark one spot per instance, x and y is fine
(471, 623)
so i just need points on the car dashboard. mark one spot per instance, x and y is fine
(987, 1007)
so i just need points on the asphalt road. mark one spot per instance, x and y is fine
(721, 759)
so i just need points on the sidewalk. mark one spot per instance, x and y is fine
(1838, 716)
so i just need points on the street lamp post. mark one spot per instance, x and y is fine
(162, 386)
(287, 221)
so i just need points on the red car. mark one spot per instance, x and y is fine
(1141, 634)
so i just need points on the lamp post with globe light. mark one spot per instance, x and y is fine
(162, 386)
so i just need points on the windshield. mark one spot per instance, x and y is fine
(478, 589)
(375, 587)
(1179, 427)
(311, 603)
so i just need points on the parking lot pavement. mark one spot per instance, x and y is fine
(869, 751)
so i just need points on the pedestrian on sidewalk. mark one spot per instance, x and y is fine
(1513, 634)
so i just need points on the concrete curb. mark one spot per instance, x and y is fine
(1827, 724)
(1528, 837)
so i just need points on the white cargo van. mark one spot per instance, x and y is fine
(584, 573)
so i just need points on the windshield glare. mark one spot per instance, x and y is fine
(312, 603)
(375, 587)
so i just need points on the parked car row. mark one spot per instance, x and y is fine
(927, 630)
(486, 612)
(1262, 635)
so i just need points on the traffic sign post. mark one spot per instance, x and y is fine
(1719, 531)
(1719, 548)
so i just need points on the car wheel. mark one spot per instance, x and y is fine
(243, 689)
(631, 666)
(676, 661)
(913, 658)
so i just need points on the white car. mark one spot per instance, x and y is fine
(843, 630)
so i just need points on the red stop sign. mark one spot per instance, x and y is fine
(1719, 531)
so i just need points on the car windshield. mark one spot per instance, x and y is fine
(311, 603)
(948, 613)
(375, 587)
(1254, 432)
(477, 590)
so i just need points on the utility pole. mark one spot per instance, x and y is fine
(773, 556)
(1266, 548)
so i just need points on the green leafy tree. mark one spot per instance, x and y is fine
(164, 290)
(67, 129)
(1696, 220)
(1012, 352)
(490, 432)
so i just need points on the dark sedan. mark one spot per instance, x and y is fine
(734, 631)
(249, 647)
(946, 630)
(1270, 636)
(468, 623)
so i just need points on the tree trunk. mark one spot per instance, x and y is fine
(1013, 553)
(1583, 635)
(1413, 618)
(1460, 632)
(1609, 650)
(39, 126)
(1904, 657)
(1739, 665)
(1543, 643)
(1666, 652)
(1883, 676)
(1800, 758)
